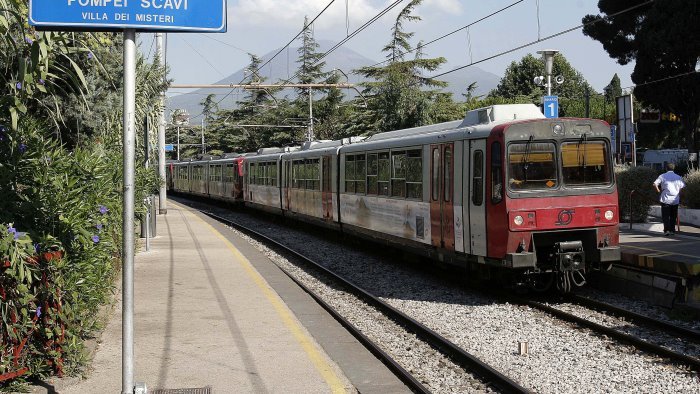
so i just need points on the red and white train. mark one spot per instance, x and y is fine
(504, 188)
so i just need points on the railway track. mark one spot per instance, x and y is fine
(641, 344)
(455, 353)
(473, 320)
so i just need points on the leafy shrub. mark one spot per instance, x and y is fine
(691, 195)
(636, 182)
(69, 201)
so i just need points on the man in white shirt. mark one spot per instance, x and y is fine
(669, 184)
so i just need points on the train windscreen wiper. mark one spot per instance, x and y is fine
(526, 157)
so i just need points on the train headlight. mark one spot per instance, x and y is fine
(558, 129)
(609, 215)
(518, 220)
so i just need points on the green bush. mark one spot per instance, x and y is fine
(636, 182)
(65, 200)
(690, 196)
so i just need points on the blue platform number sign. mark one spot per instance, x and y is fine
(143, 15)
(169, 147)
(551, 106)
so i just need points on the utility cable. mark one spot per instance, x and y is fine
(225, 43)
(348, 38)
(465, 27)
(275, 55)
(543, 39)
(202, 56)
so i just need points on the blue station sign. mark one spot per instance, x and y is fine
(551, 106)
(143, 15)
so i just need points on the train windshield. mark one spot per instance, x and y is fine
(532, 165)
(585, 163)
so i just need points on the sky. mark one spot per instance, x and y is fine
(261, 26)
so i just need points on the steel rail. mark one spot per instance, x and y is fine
(637, 318)
(641, 344)
(457, 354)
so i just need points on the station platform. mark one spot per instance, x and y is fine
(214, 315)
(664, 270)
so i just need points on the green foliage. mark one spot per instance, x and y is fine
(517, 83)
(664, 41)
(68, 201)
(399, 95)
(62, 192)
(38, 66)
(691, 194)
(636, 182)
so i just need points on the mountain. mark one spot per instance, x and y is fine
(284, 66)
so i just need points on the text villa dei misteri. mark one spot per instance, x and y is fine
(146, 5)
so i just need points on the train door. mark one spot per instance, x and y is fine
(326, 193)
(441, 195)
(477, 203)
(287, 181)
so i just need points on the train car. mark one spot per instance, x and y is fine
(503, 191)
(226, 177)
(504, 188)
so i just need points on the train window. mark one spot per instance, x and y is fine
(360, 173)
(296, 169)
(531, 165)
(496, 173)
(316, 171)
(228, 173)
(273, 173)
(383, 174)
(478, 178)
(585, 163)
(398, 173)
(372, 169)
(447, 170)
(414, 174)
(215, 173)
(350, 174)
(435, 165)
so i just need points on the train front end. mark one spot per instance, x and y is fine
(560, 209)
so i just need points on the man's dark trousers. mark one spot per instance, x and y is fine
(669, 214)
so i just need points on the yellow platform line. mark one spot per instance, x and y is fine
(660, 251)
(326, 371)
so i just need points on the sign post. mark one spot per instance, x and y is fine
(129, 17)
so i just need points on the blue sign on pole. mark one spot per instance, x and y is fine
(169, 147)
(551, 106)
(143, 15)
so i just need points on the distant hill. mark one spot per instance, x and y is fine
(342, 58)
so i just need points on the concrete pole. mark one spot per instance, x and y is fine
(203, 149)
(178, 143)
(129, 140)
(162, 193)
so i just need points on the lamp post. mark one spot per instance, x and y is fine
(548, 55)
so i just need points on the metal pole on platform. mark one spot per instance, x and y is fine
(129, 139)
(162, 193)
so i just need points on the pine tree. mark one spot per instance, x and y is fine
(399, 95)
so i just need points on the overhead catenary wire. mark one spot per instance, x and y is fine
(543, 39)
(202, 56)
(276, 54)
(348, 38)
(465, 27)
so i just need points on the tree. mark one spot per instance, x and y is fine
(613, 89)
(399, 94)
(663, 38)
(517, 84)
(209, 107)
